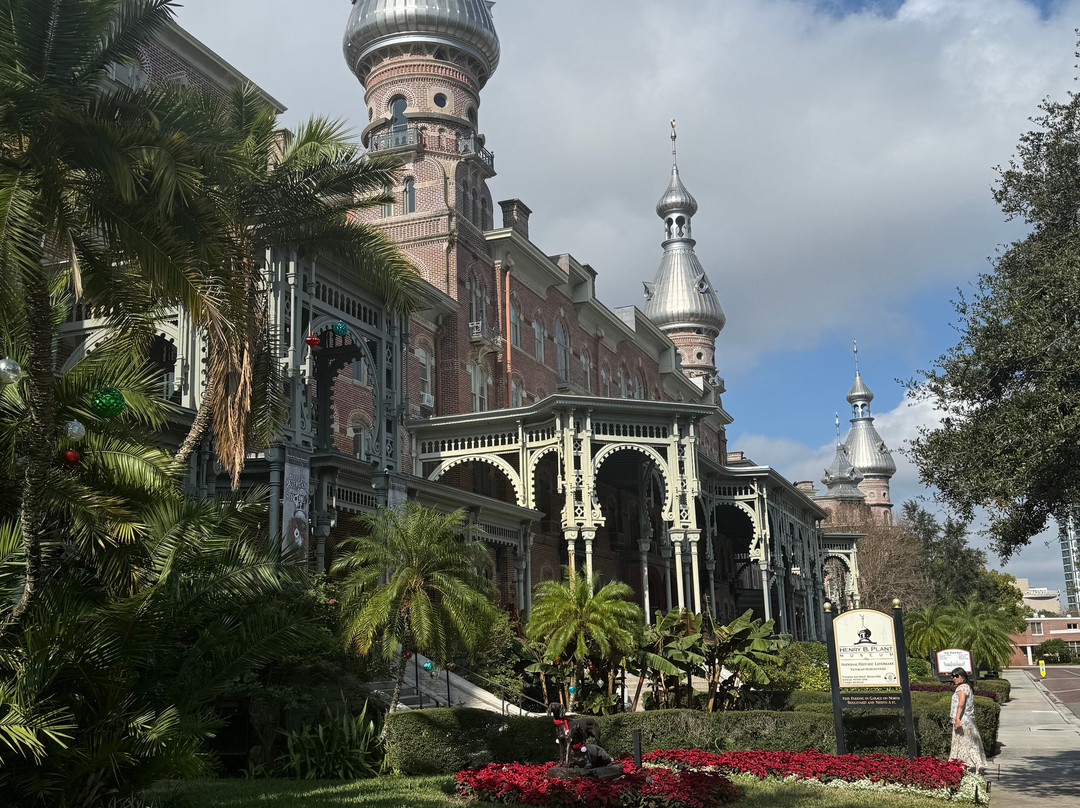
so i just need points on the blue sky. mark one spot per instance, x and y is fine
(841, 151)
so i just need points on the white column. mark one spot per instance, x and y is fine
(570, 534)
(677, 539)
(695, 565)
(766, 587)
(588, 536)
(643, 549)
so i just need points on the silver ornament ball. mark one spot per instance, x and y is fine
(75, 431)
(9, 371)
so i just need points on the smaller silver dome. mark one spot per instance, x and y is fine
(842, 478)
(676, 198)
(859, 392)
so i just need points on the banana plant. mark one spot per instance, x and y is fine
(743, 647)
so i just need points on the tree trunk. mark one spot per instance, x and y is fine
(637, 690)
(403, 662)
(201, 423)
(40, 448)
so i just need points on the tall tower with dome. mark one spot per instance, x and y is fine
(680, 299)
(423, 64)
(867, 451)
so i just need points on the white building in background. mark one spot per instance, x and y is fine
(1069, 537)
(1038, 598)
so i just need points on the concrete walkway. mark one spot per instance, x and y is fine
(1039, 763)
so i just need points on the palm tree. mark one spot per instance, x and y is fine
(927, 630)
(414, 581)
(272, 188)
(575, 619)
(982, 629)
(87, 177)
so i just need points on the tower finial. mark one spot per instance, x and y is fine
(837, 428)
(855, 348)
(674, 154)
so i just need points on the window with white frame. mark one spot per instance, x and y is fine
(1070, 626)
(562, 350)
(538, 339)
(515, 323)
(408, 196)
(605, 382)
(515, 393)
(360, 372)
(586, 371)
(1036, 629)
(478, 381)
(639, 387)
(622, 383)
(427, 367)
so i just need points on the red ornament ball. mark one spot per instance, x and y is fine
(71, 457)
(408, 654)
(312, 340)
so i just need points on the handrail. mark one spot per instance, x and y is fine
(517, 693)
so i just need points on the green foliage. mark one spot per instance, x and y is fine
(801, 666)
(434, 599)
(1002, 687)
(746, 647)
(1009, 389)
(918, 668)
(444, 741)
(1055, 650)
(976, 626)
(593, 628)
(343, 747)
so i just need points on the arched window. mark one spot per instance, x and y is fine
(478, 381)
(562, 351)
(408, 196)
(622, 382)
(639, 387)
(586, 371)
(362, 438)
(538, 338)
(388, 206)
(516, 396)
(476, 303)
(360, 372)
(398, 121)
(515, 323)
(605, 382)
(466, 210)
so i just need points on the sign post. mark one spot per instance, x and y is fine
(866, 654)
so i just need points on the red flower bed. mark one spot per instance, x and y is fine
(932, 688)
(638, 788)
(924, 772)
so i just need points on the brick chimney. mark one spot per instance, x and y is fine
(516, 215)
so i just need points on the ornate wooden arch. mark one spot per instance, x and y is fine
(494, 460)
(661, 466)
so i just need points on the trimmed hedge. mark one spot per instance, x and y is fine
(1003, 687)
(443, 741)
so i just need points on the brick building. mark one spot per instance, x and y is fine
(1038, 631)
(571, 433)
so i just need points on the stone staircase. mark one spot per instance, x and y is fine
(422, 689)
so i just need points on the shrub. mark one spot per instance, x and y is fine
(1000, 686)
(345, 747)
(918, 668)
(923, 687)
(1055, 650)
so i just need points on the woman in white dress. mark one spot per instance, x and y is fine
(967, 744)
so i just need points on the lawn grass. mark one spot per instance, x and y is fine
(438, 792)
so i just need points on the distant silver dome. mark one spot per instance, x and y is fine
(462, 24)
(842, 478)
(676, 198)
(859, 392)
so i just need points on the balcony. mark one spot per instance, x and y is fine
(471, 145)
(480, 333)
(574, 380)
(397, 138)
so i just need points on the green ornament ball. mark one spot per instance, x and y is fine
(340, 328)
(572, 690)
(108, 402)
(428, 666)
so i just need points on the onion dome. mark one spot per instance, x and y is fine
(865, 448)
(465, 25)
(681, 296)
(859, 392)
(676, 198)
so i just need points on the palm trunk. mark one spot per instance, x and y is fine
(41, 404)
(403, 662)
(201, 423)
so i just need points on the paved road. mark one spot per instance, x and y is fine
(1039, 763)
(1064, 682)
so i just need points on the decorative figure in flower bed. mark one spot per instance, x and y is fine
(585, 755)
(967, 744)
(565, 728)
